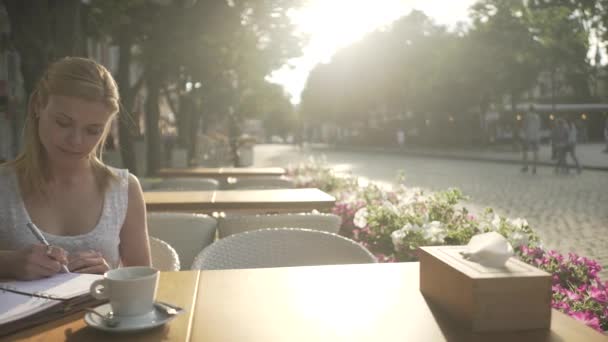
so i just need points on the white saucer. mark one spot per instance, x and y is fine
(152, 319)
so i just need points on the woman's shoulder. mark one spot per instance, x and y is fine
(124, 176)
(120, 174)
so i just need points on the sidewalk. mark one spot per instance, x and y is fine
(590, 156)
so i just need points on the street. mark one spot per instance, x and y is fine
(569, 212)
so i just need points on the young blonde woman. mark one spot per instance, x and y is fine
(92, 215)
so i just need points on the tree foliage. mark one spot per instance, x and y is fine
(416, 68)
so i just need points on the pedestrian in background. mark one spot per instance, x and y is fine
(531, 138)
(561, 143)
(554, 134)
(571, 146)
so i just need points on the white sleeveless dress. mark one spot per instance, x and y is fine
(104, 238)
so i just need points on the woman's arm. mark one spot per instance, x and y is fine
(134, 245)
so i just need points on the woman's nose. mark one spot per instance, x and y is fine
(75, 137)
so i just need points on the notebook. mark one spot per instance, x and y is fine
(24, 303)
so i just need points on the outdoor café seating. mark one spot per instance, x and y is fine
(164, 256)
(187, 233)
(281, 247)
(257, 183)
(233, 224)
(239, 201)
(179, 184)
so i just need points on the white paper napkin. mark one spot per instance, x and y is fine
(488, 249)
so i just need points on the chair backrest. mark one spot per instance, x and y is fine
(164, 257)
(258, 182)
(187, 233)
(281, 247)
(230, 225)
(149, 183)
(184, 184)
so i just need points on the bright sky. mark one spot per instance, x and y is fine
(332, 24)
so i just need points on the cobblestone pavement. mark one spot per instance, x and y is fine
(570, 212)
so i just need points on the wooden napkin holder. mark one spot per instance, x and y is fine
(483, 299)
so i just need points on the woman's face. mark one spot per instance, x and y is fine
(70, 127)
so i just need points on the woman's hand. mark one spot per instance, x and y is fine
(38, 261)
(87, 262)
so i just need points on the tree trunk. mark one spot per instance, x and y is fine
(184, 121)
(153, 85)
(126, 124)
(234, 134)
(187, 126)
(29, 22)
(552, 92)
(66, 28)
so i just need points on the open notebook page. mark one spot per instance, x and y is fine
(15, 306)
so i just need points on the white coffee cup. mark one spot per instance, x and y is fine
(131, 290)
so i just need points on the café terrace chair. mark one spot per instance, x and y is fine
(230, 225)
(164, 257)
(281, 247)
(258, 183)
(187, 233)
(182, 184)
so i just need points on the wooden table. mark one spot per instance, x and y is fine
(179, 288)
(222, 172)
(241, 201)
(373, 302)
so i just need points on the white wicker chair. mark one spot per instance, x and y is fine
(281, 247)
(148, 183)
(256, 183)
(187, 233)
(184, 184)
(164, 257)
(318, 221)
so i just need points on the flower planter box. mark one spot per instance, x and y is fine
(517, 297)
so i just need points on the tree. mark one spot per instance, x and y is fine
(43, 31)
(502, 27)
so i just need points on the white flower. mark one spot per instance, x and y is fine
(360, 219)
(426, 216)
(304, 179)
(434, 232)
(412, 227)
(495, 222)
(397, 237)
(519, 222)
(349, 197)
(406, 199)
(410, 196)
(390, 206)
(518, 239)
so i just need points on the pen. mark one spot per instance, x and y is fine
(38, 234)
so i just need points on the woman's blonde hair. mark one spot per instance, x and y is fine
(75, 77)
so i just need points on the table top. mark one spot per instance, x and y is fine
(179, 288)
(221, 172)
(260, 201)
(373, 302)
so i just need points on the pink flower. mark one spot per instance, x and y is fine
(588, 318)
(556, 288)
(384, 258)
(554, 254)
(562, 306)
(573, 296)
(601, 295)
